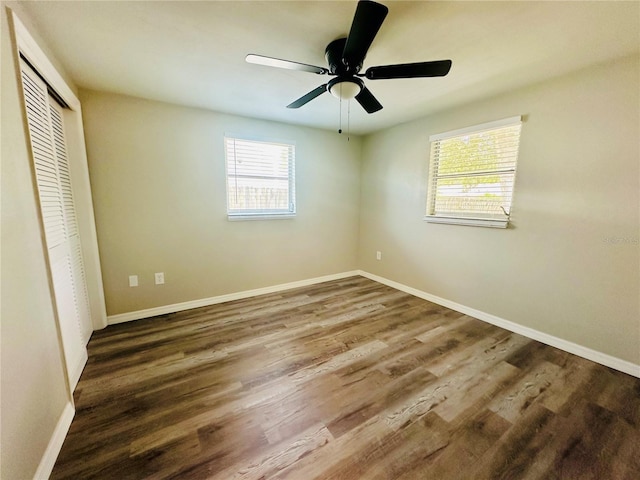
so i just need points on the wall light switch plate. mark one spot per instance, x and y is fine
(133, 280)
(378, 255)
(159, 278)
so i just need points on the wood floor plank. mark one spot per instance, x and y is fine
(347, 379)
(529, 387)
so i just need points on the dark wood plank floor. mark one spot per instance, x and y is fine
(347, 379)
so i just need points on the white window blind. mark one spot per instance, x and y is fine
(260, 178)
(472, 173)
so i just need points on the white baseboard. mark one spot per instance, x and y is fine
(584, 352)
(204, 302)
(50, 456)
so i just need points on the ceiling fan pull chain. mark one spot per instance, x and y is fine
(340, 118)
(348, 119)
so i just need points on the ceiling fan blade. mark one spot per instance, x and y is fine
(366, 23)
(276, 62)
(368, 101)
(438, 68)
(308, 97)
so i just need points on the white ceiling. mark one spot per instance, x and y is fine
(192, 53)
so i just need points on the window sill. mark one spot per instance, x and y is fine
(472, 222)
(269, 216)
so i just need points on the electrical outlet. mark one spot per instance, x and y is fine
(133, 280)
(159, 278)
(378, 255)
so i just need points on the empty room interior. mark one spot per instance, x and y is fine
(320, 240)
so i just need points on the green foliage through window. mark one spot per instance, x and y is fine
(472, 173)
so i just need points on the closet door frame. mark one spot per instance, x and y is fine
(27, 48)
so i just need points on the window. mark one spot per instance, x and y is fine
(260, 179)
(472, 173)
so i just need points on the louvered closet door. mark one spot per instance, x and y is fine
(46, 129)
(70, 221)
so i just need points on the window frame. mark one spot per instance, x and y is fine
(261, 214)
(482, 221)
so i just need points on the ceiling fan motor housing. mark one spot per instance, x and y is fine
(337, 66)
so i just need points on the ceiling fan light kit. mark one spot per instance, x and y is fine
(345, 88)
(345, 57)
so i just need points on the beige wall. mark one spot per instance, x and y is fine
(570, 264)
(158, 181)
(34, 391)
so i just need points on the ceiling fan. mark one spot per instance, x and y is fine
(345, 56)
